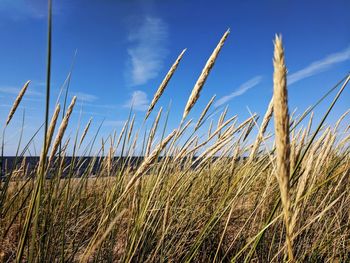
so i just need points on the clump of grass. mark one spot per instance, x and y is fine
(197, 195)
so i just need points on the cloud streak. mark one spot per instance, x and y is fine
(240, 91)
(320, 66)
(86, 97)
(21, 9)
(147, 50)
(113, 123)
(15, 90)
(138, 101)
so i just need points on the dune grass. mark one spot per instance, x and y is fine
(222, 195)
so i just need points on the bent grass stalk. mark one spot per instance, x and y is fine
(17, 102)
(62, 130)
(203, 76)
(85, 132)
(164, 83)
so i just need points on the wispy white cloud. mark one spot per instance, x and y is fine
(15, 90)
(88, 113)
(147, 50)
(86, 97)
(138, 101)
(6, 105)
(113, 123)
(21, 9)
(240, 91)
(40, 83)
(100, 106)
(319, 66)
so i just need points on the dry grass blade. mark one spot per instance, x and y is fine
(301, 190)
(164, 83)
(50, 133)
(17, 102)
(281, 117)
(52, 126)
(262, 130)
(204, 112)
(62, 129)
(153, 131)
(85, 132)
(149, 160)
(122, 132)
(341, 119)
(131, 127)
(203, 77)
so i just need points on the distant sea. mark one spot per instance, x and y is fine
(10, 162)
(81, 165)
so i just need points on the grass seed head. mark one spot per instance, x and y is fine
(281, 118)
(17, 102)
(203, 76)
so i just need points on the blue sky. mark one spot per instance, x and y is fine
(125, 48)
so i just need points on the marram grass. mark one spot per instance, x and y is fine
(197, 196)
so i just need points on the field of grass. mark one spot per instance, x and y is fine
(271, 197)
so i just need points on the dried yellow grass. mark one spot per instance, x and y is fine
(281, 118)
(222, 118)
(341, 119)
(184, 128)
(52, 126)
(204, 112)
(301, 188)
(50, 133)
(204, 75)
(131, 127)
(17, 102)
(301, 144)
(122, 132)
(153, 131)
(182, 152)
(164, 83)
(149, 160)
(62, 129)
(262, 130)
(85, 132)
(210, 128)
(309, 125)
(293, 142)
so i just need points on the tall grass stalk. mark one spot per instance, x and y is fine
(36, 196)
(281, 117)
